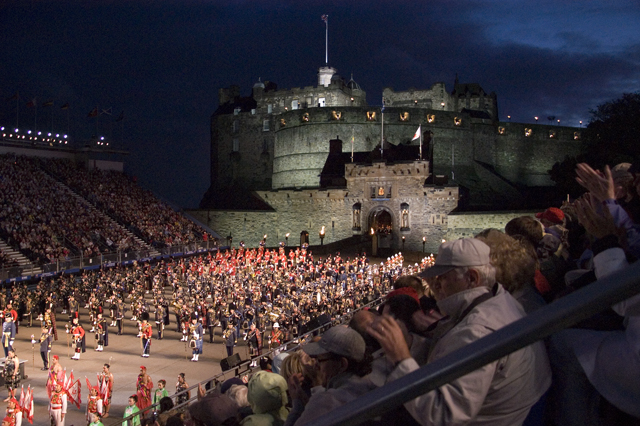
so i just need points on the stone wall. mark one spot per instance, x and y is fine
(464, 225)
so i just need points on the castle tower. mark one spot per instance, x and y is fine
(324, 76)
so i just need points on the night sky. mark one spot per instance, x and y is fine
(162, 63)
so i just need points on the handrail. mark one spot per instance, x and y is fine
(243, 364)
(554, 317)
(117, 256)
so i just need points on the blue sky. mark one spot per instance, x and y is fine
(162, 62)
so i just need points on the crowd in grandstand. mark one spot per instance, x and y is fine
(45, 221)
(136, 208)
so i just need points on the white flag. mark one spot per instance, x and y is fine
(418, 132)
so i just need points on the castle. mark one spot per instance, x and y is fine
(290, 161)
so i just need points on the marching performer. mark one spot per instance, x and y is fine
(58, 405)
(8, 334)
(276, 336)
(101, 332)
(131, 409)
(159, 317)
(230, 338)
(106, 381)
(46, 339)
(144, 384)
(11, 372)
(120, 316)
(78, 339)
(14, 412)
(145, 334)
(94, 403)
(197, 334)
(254, 339)
(160, 392)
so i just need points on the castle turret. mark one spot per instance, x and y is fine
(324, 76)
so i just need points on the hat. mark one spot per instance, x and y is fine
(454, 254)
(339, 340)
(142, 367)
(56, 357)
(276, 325)
(144, 316)
(213, 410)
(552, 214)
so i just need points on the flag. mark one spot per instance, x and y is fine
(48, 103)
(65, 106)
(325, 18)
(32, 103)
(418, 133)
(382, 109)
(104, 389)
(13, 98)
(74, 393)
(21, 402)
(31, 410)
(106, 111)
(93, 112)
(120, 117)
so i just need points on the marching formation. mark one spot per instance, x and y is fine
(264, 297)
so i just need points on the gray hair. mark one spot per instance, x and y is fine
(238, 394)
(486, 273)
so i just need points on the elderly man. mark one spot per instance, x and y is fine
(500, 393)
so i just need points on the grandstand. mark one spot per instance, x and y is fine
(62, 207)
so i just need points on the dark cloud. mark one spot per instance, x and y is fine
(163, 62)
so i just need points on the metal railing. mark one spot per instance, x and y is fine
(554, 317)
(244, 368)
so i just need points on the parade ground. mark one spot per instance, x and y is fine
(169, 357)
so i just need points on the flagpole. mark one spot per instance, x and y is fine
(420, 127)
(353, 139)
(17, 108)
(326, 41)
(382, 130)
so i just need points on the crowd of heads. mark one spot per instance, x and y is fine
(43, 219)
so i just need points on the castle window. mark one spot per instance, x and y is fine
(269, 108)
(321, 102)
(253, 111)
(283, 122)
(265, 146)
(294, 104)
(236, 145)
(527, 132)
(357, 210)
(265, 125)
(236, 111)
(236, 126)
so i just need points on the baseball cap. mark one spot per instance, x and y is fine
(339, 340)
(454, 254)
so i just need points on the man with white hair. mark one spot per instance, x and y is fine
(502, 392)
